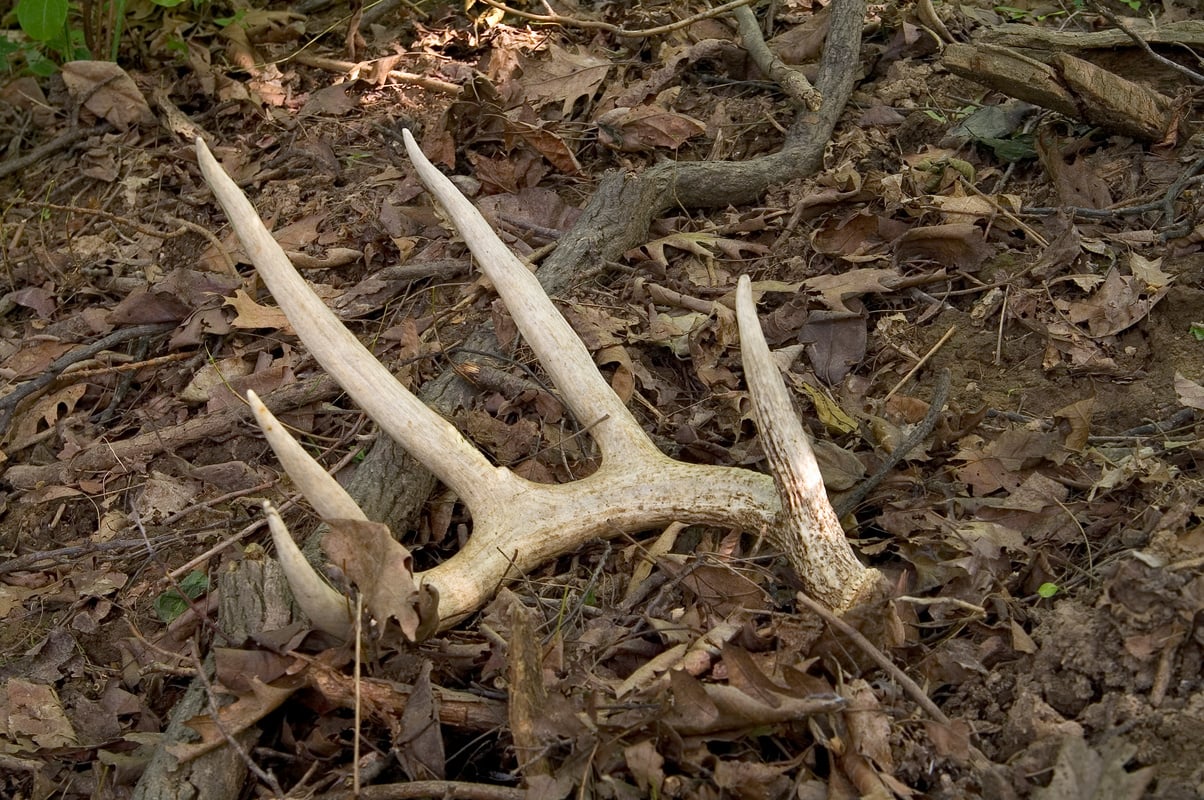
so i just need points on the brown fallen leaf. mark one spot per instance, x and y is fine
(384, 572)
(634, 130)
(835, 289)
(956, 244)
(252, 315)
(34, 718)
(108, 92)
(1083, 773)
(562, 77)
(1190, 393)
(835, 341)
(235, 718)
(418, 738)
(1121, 302)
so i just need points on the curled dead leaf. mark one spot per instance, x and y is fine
(384, 572)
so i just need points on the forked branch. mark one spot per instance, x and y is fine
(518, 524)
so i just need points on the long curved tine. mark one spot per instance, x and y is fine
(559, 349)
(328, 610)
(809, 529)
(316, 485)
(427, 436)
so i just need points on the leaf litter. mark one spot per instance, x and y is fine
(676, 663)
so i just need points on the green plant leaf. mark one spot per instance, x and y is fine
(1011, 150)
(1197, 331)
(1047, 590)
(38, 65)
(42, 20)
(172, 604)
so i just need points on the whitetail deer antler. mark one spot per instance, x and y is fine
(518, 524)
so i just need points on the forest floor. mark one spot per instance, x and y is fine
(1045, 543)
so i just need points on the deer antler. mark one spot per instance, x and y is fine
(518, 524)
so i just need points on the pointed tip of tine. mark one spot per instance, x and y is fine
(413, 150)
(259, 410)
(202, 149)
(746, 313)
(743, 289)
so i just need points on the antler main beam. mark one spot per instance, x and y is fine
(518, 524)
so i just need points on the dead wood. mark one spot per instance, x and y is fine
(1044, 43)
(1068, 85)
(254, 598)
(60, 142)
(792, 80)
(35, 386)
(528, 696)
(105, 456)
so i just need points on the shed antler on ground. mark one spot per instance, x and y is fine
(518, 524)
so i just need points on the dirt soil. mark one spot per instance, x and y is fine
(1044, 544)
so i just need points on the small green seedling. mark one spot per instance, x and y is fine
(171, 604)
(1048, 590)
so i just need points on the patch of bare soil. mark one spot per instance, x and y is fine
(1043, 542)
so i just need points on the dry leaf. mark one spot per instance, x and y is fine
(1190, 393)
(562, 77)
(235, 718)
(108, 92)
(1118, 304)
(384, 572)
(253, 315)
(33, 717)
(213, 375)
(956, 244)
(1082, 773)
(634, 130)
(418, 741)
(836, 288)
(646, 766)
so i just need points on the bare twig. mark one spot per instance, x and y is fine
(627, 33)
(60, 142)
(350, 67)
(185, 227)
(931, 352)
(453, 790)
(793, 82)
(61, 555)
(996, 782)
(1165, 204)
(10, 402)
(909, 686)
(940, 396)
(1190, 74)
(215, 717)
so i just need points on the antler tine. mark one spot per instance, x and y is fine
(517, 524)
(430, 438)
(545, 330)
(327, 609)
(808, 528)
(324, 606)
(323, 492)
